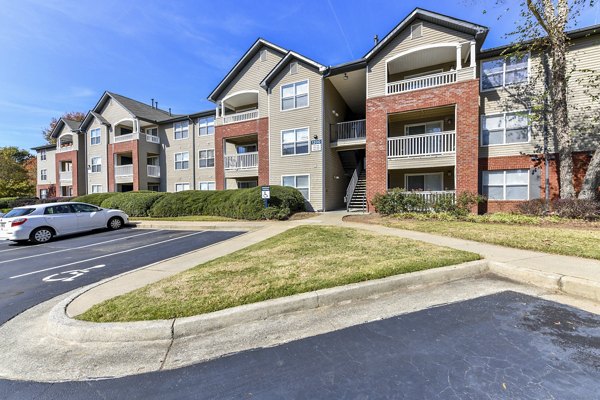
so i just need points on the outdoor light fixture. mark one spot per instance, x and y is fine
(345, 76)
(449, 121)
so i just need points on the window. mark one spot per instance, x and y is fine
(507, 128)
(427, 127)
(432, 182)
(95, 136)
(96, 188)
(43, 155)
(181, 130)
(43, 174)
(43, 193)
(154, 187)
(247, 184)
(180, 187)
(506, 185)
(504, 71)
(247, 148)
(182, 160)
(84, 208)
(206, 186)
(300, 182)
(294, 141)
(60, 209)
(207, 126)
(206, 158)
(96, 164)
(416, 31)
(294, 95)
(151, 131)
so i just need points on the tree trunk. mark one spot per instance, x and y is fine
(591, 182)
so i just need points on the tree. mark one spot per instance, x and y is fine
(14, 178)
(73, 115)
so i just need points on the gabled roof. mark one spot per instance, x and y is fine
(72, 124)
(260, 42)
(479, 31)
(141, 110)
(44, 147)
(291, 55)
(69, 123)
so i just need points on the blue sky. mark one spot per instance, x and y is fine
(59, 56)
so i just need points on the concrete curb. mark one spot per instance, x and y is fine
(61, 326)
(192, 226)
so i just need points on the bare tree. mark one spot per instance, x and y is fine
(72, 115)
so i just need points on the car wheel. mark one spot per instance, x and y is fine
(115, 223)
(41, 235)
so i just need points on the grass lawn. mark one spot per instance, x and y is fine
(209, 218)
(572, 239)
(302, 259)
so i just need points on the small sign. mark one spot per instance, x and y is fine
(316, 144)
(265, 192)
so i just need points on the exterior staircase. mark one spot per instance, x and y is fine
(358, 200)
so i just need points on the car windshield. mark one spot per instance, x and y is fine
(18, 212)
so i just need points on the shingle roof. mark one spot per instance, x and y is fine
(72, 124)
(142, 110)
(44, 147)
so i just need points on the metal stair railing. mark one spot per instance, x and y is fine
(352, 185)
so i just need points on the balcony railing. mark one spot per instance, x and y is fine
(152, 139)
(124, 170)
(351, 130)
(154, 171)
(422, 82)
(240, 117)
(241, 161)
(127, 137)
(430, 197)
(429, 144)
(65, 176)
(62, 149)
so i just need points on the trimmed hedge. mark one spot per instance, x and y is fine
(239, 203)
(95, 198)
(134, 204)
(7, 202)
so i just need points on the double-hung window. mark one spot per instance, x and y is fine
(206, 186)
(504, 71)
(43, 155)
(206, 126)
(180, 187)
(96, 164)
(96, 188)
(181, 130)
(506, 185)
(95, 136)
(294, 95)
(507, 128)
(300, 182)
(206, 158)
(182, 160)
(43, 174)
(294, 141)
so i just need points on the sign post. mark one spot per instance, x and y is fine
(265, 192)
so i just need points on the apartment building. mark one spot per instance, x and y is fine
(426, 110)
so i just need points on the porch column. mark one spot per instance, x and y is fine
(473, 63)
(458, 56)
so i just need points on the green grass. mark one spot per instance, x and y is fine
(302, 259)
(210, 218)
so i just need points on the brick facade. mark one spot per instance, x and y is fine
(50, 188)
(259, 127)
(118, 148)
(72, 157)
(463, 95)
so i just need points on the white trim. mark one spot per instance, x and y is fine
(422, 74)
(425, 124)
(92, 165)
(481, 125)
(207, 182)
(175, 161)
(504, 185)
(175, 129)
(99, 136)
(295, 95)
(213, 158)
(295, 141)
(237, 93)
(423, 47)
(504, 85)
(296, 182)
(98, 186)
(214, 119)
(181, 183)
(424, 174)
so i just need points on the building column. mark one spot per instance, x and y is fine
(458, 57)
(473, 61)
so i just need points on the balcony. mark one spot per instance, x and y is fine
(425, 145)
(240, 117)
(241, 161)
(427, 199)
(65, 176)
(153, 171)
(152, 139)
(65, 148)
(422, 82)
(349, 132)
(124, 170)
(127, 137)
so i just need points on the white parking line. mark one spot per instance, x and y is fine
(106, 255)
(77, 248)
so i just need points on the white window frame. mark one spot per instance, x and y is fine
(296, 184)
(441, 174)
(181, 184)
(281, 98)
(504, 185)
(504, 114)
(207, 158)
(43, 155)
(203, 123)
(43, 174)
(98, 165)
(295, 141)
(98, 187)
(179, 127)
(148, 131)
(504, 85)
(181, 161)
(43, 193)
(412, 29)
(95, 133)
(441, 121)
(247, 181)
(209, 183)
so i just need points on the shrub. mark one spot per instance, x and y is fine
(24, 201)
(398, 201)
(7, 202)
(53, 200)
(95, 198)
(134, 204)
(533, 207)
(466, 201)
(576, 208)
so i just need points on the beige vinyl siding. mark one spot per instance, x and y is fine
(113, 112)
(49, 164)
(252, 75)
(432, 34)
(98, 150)
(171, 146)
(309, 117)
(205, 142)
(146, 149)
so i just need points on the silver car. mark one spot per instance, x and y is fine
(40, 223)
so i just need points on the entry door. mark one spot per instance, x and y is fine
(425, 182)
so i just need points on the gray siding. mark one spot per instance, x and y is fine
(98, 150)
(49, 165)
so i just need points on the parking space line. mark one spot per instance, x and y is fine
(75, 248)
(105, 255)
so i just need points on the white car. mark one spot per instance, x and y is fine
(40, 223)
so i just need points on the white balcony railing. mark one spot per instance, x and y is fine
(429, 144)
(62, 149)
(124, 170)
(240, 117)
(65, 176)
(351, 130)
(152, 139)
(430, 198)
(127, 137)
(422, 82)
(154, 171)
(241, 161)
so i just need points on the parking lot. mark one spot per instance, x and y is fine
(31, 274)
